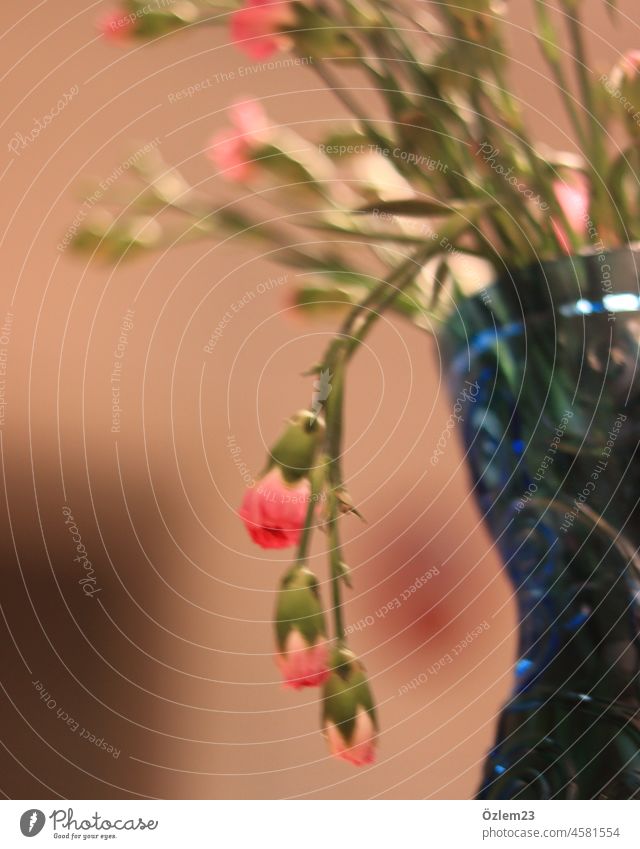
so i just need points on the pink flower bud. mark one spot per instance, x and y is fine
(360, 749)
(630, 65)
(250, 119)
(301, 664)
(232, 156)
(117, 25)
(348, 714)
(573, 197)
(274, 511)
(232, 149)
(256, 27)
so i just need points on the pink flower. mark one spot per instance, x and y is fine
(301, 664)
(250, 119)
(232, 149)
(117, 25)
(574, 200)
(274, 511)
(232, 155)
(255, 27)
(360, 750)
(630, 64)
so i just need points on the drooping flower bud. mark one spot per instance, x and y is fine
(233, 149)
(348, 715)
(274, 511)
(303, 653)
(296, 449)
(257, 27)
(146, 19)
(117, 25)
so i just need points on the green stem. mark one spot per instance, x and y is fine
(557, 72)
(580, 61)
(542, 181)
(336, 576)
(374, 314)
(598, 153)
(334, 412)
(350, 104)
(512, 234)
(307, 531)
(336, 360)
(409, 267)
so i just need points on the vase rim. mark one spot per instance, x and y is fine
(548, 286)
(586, 255)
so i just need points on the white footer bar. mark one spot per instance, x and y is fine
(318, 824)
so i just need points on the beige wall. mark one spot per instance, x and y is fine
(171, 662)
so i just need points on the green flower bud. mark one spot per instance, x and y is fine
(296, 449)
(155, 18)
(299, 607)
(301, 634)
(321, 300)
(348, 714)
(116, 240)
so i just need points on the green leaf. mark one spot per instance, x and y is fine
(318, 299)
(547, 36)
(439, 280)
(323, 300)
(285, 165)
(369, 235)
(416, 208)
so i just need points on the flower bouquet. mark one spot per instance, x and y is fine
(434, 202)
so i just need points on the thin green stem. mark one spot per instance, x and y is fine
(560, 79)
(374, 314)
(597, 148)
(542, 181)
(333, 441)
(336, 576)
(336, 360)
(349, 103)
(411, 264)
(307, 531)
(580, 62)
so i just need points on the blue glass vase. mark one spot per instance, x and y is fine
(552, 353)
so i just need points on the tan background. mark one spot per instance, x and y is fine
(171, 663)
